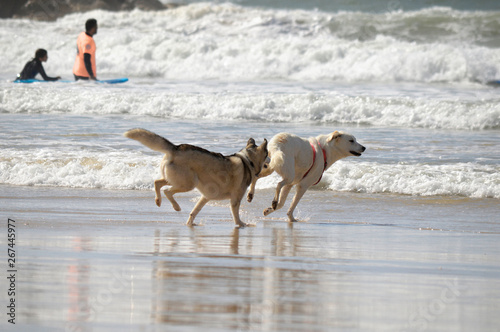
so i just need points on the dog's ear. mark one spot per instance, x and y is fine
(336, 134)
(251, 143)
(263, 146)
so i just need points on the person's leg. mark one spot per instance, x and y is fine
(80, 78)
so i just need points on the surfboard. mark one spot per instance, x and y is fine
(33, 80)
(114, 80)
(110, 81)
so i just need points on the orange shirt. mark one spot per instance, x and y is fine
(84, 44)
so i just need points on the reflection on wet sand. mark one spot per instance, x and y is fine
(78, 284)
(225, 290)
(248, 285)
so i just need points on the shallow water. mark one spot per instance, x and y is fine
(90, 152)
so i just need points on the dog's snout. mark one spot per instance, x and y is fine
(363, 148)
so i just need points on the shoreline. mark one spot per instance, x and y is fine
(317, 206)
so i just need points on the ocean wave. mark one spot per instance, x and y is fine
(466, 180)
(133, 170)
(230, 42)
(323, 107)
(92, 170)
(461, 179)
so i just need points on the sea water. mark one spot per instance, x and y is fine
(406, 78)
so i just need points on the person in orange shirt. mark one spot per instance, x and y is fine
(85, 64)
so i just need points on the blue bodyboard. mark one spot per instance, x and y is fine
(114, 81)
(111, 81)
(34, 80)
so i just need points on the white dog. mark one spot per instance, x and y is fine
(302, 162)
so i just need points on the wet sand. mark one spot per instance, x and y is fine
(101, 260)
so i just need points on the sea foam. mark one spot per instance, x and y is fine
(423, 111)
(230, 42)
(127, 170)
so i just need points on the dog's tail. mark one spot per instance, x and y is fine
(151, 140)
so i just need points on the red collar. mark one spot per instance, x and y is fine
(314, 158)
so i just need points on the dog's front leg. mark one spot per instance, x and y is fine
(251, 192)
(298, 195)
(197, 208)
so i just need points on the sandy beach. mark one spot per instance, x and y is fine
(104, 260)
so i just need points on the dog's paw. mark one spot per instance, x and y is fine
(249, 197)
(291, 218)
(243, 225)
(274, 204)
(190, 223)
(268, 211)
(158, 202)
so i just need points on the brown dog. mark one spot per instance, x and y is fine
(185, 167)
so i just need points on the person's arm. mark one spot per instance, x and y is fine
(88, 65)
(44, 75)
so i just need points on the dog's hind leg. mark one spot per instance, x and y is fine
(180, 183)
(235, 211)
(181, 179)
(197, 208)
(298, 195)
(158, 185)
(287, 172)
(170, 196)
(178, 188)
(283, 195)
